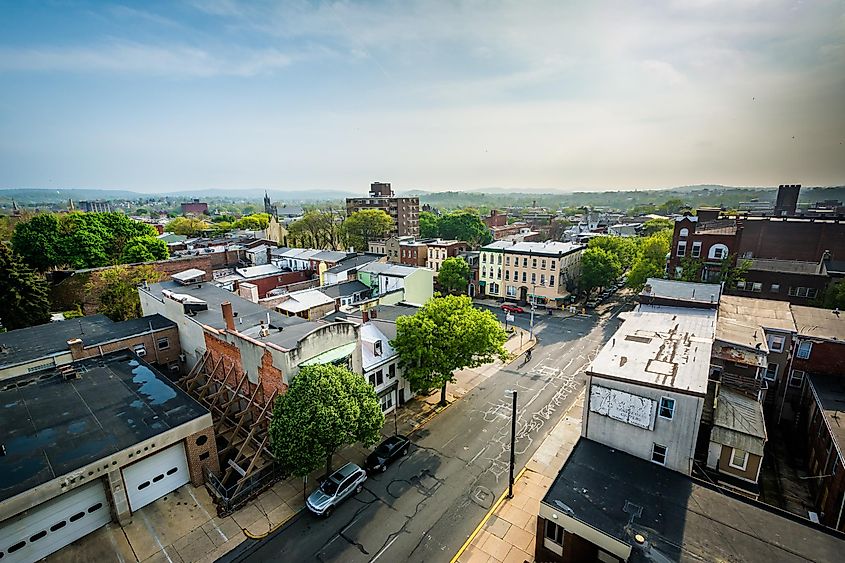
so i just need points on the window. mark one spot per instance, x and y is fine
(391, 371)
(543, 264)
(507, 260)
(499, 274)
(163, 343)
(683, 233)
(771, 372)
(682, 249)
(667, 408)
(533, 262)
(804, 349)
(796, 379)
(658, 454)
(524, 277)
(696, 249)
(553, 265)
(775, 288)
(808, 292)
(740, 284)
(739, 459)
(776, 342)
(542, 279)
(377, 348)
(533, 277)
(511, 291)
(525, 262)
(484, 258)
(554, 532)
(386, 402)
(500, 259)
(717, 252)
(551, 281)
(756, 286)
(507, 275)
(379, 377)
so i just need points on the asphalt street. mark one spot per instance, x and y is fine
(426, 505)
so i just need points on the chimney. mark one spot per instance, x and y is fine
(787, 199)
(75, 345)
(365, 316)
(228, 315)
(374, 313)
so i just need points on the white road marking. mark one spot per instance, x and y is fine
(476, 455)
(379, 554)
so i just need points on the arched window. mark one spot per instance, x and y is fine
(684, 233)
(717, 252)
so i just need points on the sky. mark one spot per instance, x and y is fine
(157, 96)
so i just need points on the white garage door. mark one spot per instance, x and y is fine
(52, 525)
(155, 476)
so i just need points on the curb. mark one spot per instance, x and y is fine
(487, 516)
(252, 536)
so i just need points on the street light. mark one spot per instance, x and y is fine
(513, 441)
(533, 306)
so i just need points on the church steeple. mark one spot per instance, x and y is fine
(269, 208)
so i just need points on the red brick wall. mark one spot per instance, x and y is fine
(278, 280)
(270, 376)
(791, 240)
(201, 450)
(826, 358)
(218, 348)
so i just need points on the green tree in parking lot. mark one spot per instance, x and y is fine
(445, 335)
(325, 408)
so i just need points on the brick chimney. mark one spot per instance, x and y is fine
(75, 345)
(365, 316)
(228, 315)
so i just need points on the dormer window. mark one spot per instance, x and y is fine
(377, 348)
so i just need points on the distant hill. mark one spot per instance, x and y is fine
(42, 196)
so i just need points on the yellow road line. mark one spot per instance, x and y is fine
(250, 535)
(487, 516)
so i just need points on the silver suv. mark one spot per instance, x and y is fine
(342, 483)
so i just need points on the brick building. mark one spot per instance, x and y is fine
(439, 250)
(194, 207)
(405, 211)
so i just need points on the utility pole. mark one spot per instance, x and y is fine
(513, 444)
(533, 306)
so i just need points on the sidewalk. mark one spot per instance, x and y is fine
(183, 526)
(507, 533)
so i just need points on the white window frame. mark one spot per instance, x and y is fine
(808, 348)
(683, 233)
(773, 339)
(163, 340)
(775, 288)
(774, 375)
(682, 249)
(757, 287)
(795, 377)
(744, 459)
(740, 284)
(671, 410)
(665, 453)
(696, 250)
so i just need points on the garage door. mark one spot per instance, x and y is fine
(155, 476)
(52, 525)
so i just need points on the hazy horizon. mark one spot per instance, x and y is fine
(434, 96)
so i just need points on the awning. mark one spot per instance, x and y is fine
(331, 356)
(388, 390)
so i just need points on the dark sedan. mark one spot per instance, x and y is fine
(387, 452)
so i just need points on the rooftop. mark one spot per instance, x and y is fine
(787, 266)
(330, 255)
(258, 271)
(682, 291)
(42, 341)
(354, 262)
(388, 269)
(775, 315)
(665, 347)
(717, 227)
(303, 300)
(751, 338)
(829, 392)
(739, 422)
(344, 289)
(682, 519)
(548, 248)
(52, 427)
(819, 323)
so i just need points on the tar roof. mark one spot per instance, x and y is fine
(344, 289)
(682, 519)
(665, 347)
(354, 262)
(738, 422)
(42, 341)
(786, 266)
(775, 315)
(682, 291)
(829, 391)
(819, 323)
(52, 427)
(548, 248)
(748, 336)
(717, 227)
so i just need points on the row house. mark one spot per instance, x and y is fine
(544, 272)
(413, 285)
(705, 239)
(439, 250)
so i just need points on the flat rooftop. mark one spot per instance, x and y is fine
(657, 346)
(829, 392)
(682, 519)
(52, 427)
(819, 323)
(549, 248)
(786, 266)
(774, 315)
(692, 292)
(43, 341)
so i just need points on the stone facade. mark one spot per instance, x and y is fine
(201, 451)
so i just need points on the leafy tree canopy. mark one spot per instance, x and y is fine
(363, 226)
(117, 290)
(25, 298)
(325, 408)
(466, 226)
(650, 261)
(144, 249)
(445, 335)
(454, 274)
(623, 248)
(254, 222)
(653, 226)
(833, 297)
(318, 229)
(429, 225)
(599, 268)
(188, 226)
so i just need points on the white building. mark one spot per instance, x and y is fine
(647, 386)
(380, 363)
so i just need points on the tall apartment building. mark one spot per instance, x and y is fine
(405, 211)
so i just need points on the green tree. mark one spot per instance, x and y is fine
(454, 274)
(144, 249)
(317, 229)
(429, 225)
(254, 222)
(599, 268)
(672, 206)
(363, 226)
(445, 335)
(188, 226)
(466, 226)
(623, 248)
(730, 274)
(36, 241)
(653, 226)
(650, 261)
(325, 408)
(833, 296)
(117, 290)
(691, 269)
(25, 299)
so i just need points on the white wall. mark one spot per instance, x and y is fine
(678, 435)
(191, 336)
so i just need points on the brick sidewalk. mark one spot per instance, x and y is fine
(507, 536)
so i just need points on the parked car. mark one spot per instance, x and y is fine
(387, 452)
(507, 307)
(592, 303)
(343, 483)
